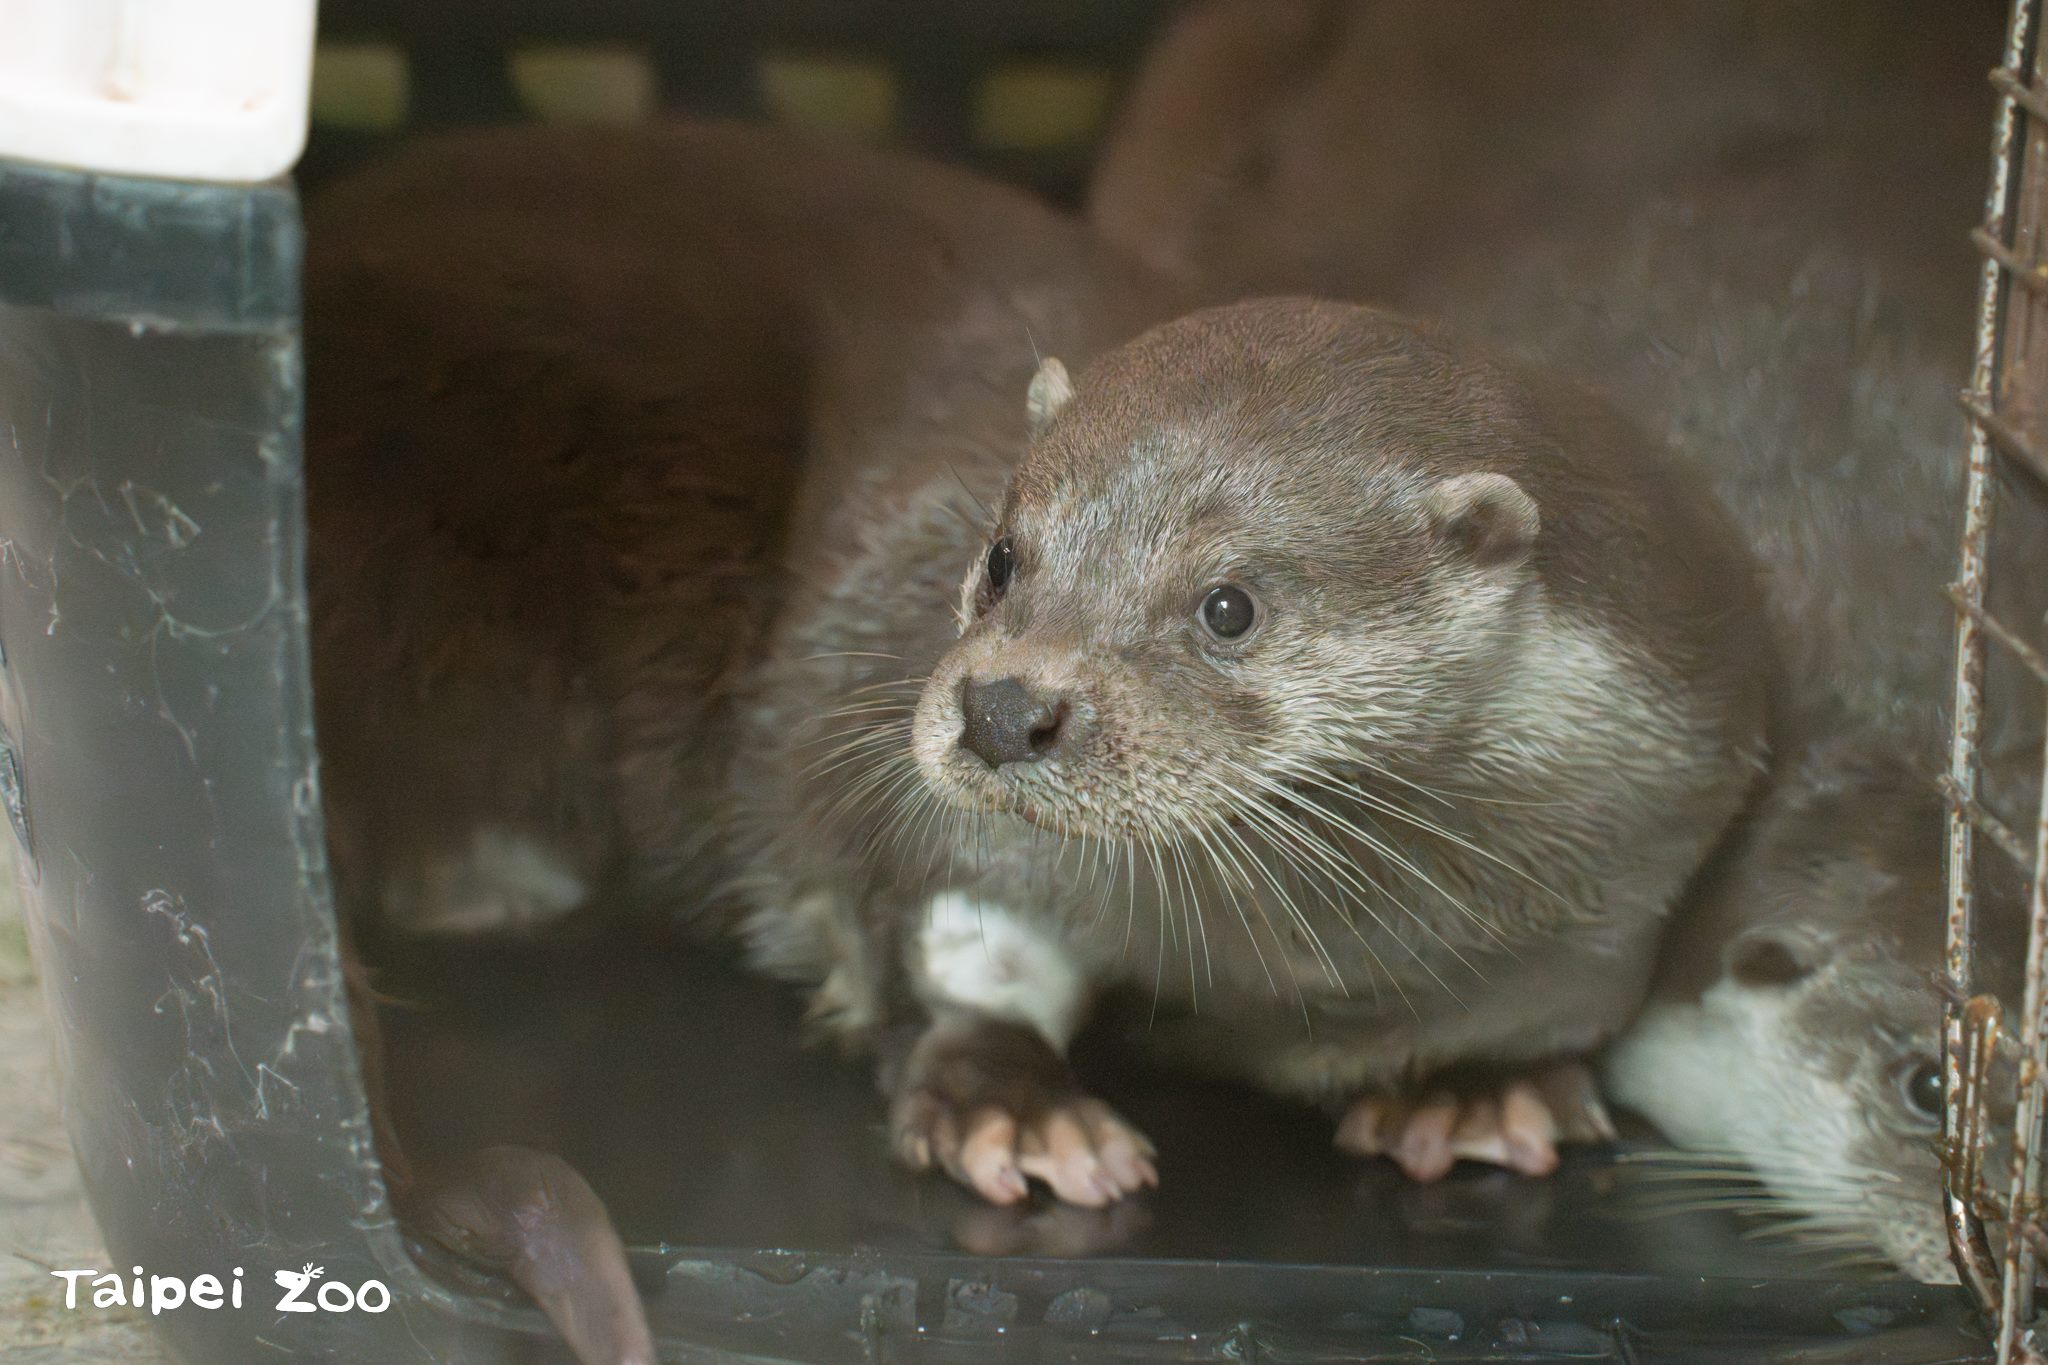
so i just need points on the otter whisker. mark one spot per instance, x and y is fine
(1180, 918)
(1436, 794)
(1683, 1156)
(1259, 819)
(988, 518)
(853, 752)
(1279, 825)
(858, 807)
(1351, 872)
(865, 747)
(914, 683)
(936, 833)
(1391, 853)
(1368, 798)
(868, 708)
(908, 808)
(1215, 856)
(1159, 957)
(1279, 944)
(858, 707)
(1196, 912)
(876, 769)
(1802, 1203)
(1252, 860)
(1350, 892)
(850, 654)
(888, 804)
(1102, 867)
(939, 823)
(1130, 896)
(891, 765)
(1259, 816)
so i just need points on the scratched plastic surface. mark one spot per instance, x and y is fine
(158, 764)
(159, 752)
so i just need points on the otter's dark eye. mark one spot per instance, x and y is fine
(1002, 562)
(1229, 611)
(1921, 1088)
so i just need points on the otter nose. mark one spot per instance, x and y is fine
(1009, 723)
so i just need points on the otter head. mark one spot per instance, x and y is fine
(1804, 1040)
(1262, 548)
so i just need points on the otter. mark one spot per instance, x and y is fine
(1794, 1029)
(1468, 686)
(1737, 269)
(1362, 700)
(560, 384)
(524, 657)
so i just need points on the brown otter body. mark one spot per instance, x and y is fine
(1765, 262)
(1315, 677)
(565, 385)
(561, 386)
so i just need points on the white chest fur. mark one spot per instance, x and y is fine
(984, 957)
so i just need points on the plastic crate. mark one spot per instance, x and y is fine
(158, 764)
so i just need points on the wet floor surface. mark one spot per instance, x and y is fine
(681, 1090)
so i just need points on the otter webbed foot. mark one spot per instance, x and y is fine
(531, 1216)
(994, 1106)
(1518, 1123)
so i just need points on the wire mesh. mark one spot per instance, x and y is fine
(2007, 430)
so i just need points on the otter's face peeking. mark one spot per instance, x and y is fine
(1193, 607)
(1814, 1067)
(1865, 1089)
(1812, 1056)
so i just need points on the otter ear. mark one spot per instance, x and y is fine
(1761, 958)
(1487, 516)
(1051, 390)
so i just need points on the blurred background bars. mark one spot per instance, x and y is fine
(1021, 91)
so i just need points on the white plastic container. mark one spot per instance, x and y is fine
(187, 89)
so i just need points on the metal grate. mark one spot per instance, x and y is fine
(2008, 432)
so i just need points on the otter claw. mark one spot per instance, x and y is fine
(1087, 1154)
(1080, 1148)
(994, 1106)
(1518, 1127)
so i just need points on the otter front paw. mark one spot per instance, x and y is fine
(1518, 1123)
(993, 1106)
